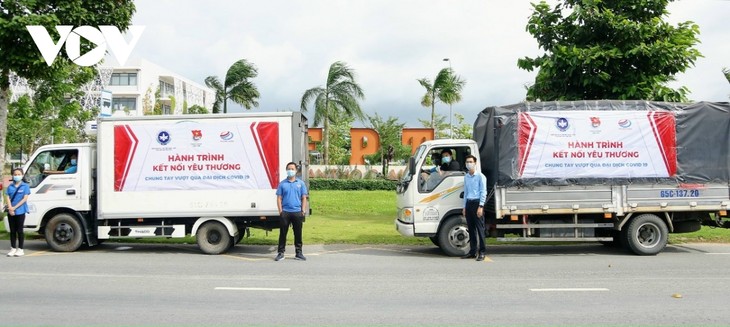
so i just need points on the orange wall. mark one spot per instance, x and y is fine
(366, 141)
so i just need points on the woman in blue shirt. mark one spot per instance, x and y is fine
(16, 197)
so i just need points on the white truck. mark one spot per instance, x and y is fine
(625, 172)
(211, 176)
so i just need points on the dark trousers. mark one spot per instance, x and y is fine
(16, 230)
(296, 219)
(476, 228)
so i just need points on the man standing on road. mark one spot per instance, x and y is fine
(475, 194)
(291, 198)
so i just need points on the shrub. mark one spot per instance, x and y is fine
(352, 184)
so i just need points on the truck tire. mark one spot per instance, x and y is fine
(454, 237)
(646, 234)
(64, 233)
(435, 240)
(213, 238)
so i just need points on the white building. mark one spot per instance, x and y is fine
(137, 82)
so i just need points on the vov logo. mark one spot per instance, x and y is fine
(104, 37)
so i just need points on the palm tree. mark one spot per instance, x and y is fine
(238, 87)
(339, 96)
(446, 88)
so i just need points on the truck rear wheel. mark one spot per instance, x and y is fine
(64, 233)
(213, 238)
(646, 234)
(454, 237)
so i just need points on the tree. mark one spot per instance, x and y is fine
(237, 87)
(338, 134)
(339, 95)
(446, 88)
(196, 109)
(53, 114)
(608, 50)
(462, 130)
(22, 57)
(389, 132)
(440, 126)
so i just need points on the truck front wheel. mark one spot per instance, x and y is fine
(646, 234)
(454, 237)
(64, 233)
(213, 238)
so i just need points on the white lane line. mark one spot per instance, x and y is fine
(569, 289)
(718, 253)
(252, 289)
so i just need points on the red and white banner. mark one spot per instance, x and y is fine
(597, 144)
(196, 155)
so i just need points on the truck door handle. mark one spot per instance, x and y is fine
(70, 192)
(461, 196)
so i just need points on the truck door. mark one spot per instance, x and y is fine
(54, 179)
(439, 187)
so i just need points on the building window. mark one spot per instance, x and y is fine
(123, 79)
(166, 89)
(166, 109)
(124, 103)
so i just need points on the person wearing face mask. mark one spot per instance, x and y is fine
(16, 197)
(291, 198)
(69, 170)
(475, 194)
(447, 162)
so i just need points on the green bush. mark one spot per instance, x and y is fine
(352, 184)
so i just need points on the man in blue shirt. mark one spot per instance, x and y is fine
(475, 194)
(71, 169)
(291, 198)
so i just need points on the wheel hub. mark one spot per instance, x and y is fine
(459, 237)
(64, 232)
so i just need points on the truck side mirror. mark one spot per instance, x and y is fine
(412, 165)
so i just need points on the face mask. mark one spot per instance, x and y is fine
(446, 160)
(17, 178)
(470, 165)
(291, 173)
(73, 162)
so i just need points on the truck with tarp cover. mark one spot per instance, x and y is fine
(624, 172)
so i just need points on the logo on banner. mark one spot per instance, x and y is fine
(624, 123)
(595, 122)
(197, 134)
(562, 124)
(163, 137)
(226, 136)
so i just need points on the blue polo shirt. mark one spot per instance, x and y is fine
(291, 193)
(70, 170)
(23, 190)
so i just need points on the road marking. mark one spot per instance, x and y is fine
(717, 253)
(244, 258)
(252, 289)
(569, 289)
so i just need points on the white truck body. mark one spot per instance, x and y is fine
(166, 176)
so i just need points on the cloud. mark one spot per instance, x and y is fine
(389, 43)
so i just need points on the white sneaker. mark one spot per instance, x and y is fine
(12, 252)
(19, 253)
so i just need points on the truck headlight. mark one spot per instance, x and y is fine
(406, 215)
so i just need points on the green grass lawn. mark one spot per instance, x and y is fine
(366, 217)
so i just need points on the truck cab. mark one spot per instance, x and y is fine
(430, 200)
(61, 192)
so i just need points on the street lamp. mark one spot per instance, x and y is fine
(451, 116)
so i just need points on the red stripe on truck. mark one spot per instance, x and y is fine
(266, 136)
(125, 145)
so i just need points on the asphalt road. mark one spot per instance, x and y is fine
(134, 284)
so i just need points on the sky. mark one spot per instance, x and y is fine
(389, 43)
